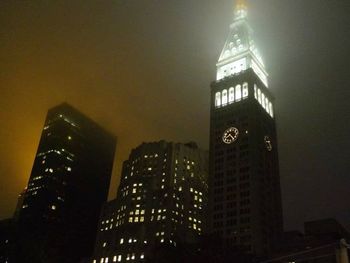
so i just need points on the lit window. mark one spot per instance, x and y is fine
(119, 258)
(271, 109)
(142, 256)
(53, 207)
(245, 90)
(224, 97)
(238, 92)
(259, 96)
(217, 99)
(231, 95)
(263, 100)
(255, 92)
(121, 241)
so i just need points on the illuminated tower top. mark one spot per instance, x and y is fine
(239, 52)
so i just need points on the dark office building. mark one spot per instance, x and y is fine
(68, 185)
(19, 205)
(328, 227)
(321, 243)
(7, 241)
(244, 183)
(161, 201)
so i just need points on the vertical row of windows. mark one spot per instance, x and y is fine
(263, 100)
(233, 94)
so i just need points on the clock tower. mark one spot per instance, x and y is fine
(245, 195)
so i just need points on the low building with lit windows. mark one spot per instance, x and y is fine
(161, 200)
(69, 183)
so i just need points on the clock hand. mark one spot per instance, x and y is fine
(230, 135)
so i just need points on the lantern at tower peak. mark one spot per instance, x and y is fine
(241, 9)
(240, 52)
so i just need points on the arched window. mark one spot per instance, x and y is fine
(267, 102)
(259, 96)
(245, 90)
(255, 92)
(217, 99)
(238, 92)
(224, 97)
(271, 109)
(263, 100)
(231, 95)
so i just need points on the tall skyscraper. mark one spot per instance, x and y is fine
(245, 197)
(161, 200)
(68, 185)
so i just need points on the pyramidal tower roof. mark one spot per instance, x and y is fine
(240, 52)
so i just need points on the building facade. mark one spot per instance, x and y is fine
(7, 241)
(323, 241)
(245, 196)
(161, 200)
(67, 187)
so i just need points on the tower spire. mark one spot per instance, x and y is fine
(241, 4)
(240, 52)
(240, 9)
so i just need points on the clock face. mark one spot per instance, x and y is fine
(268, 143)
(230, 135)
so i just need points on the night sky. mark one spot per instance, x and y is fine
(142, 69)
